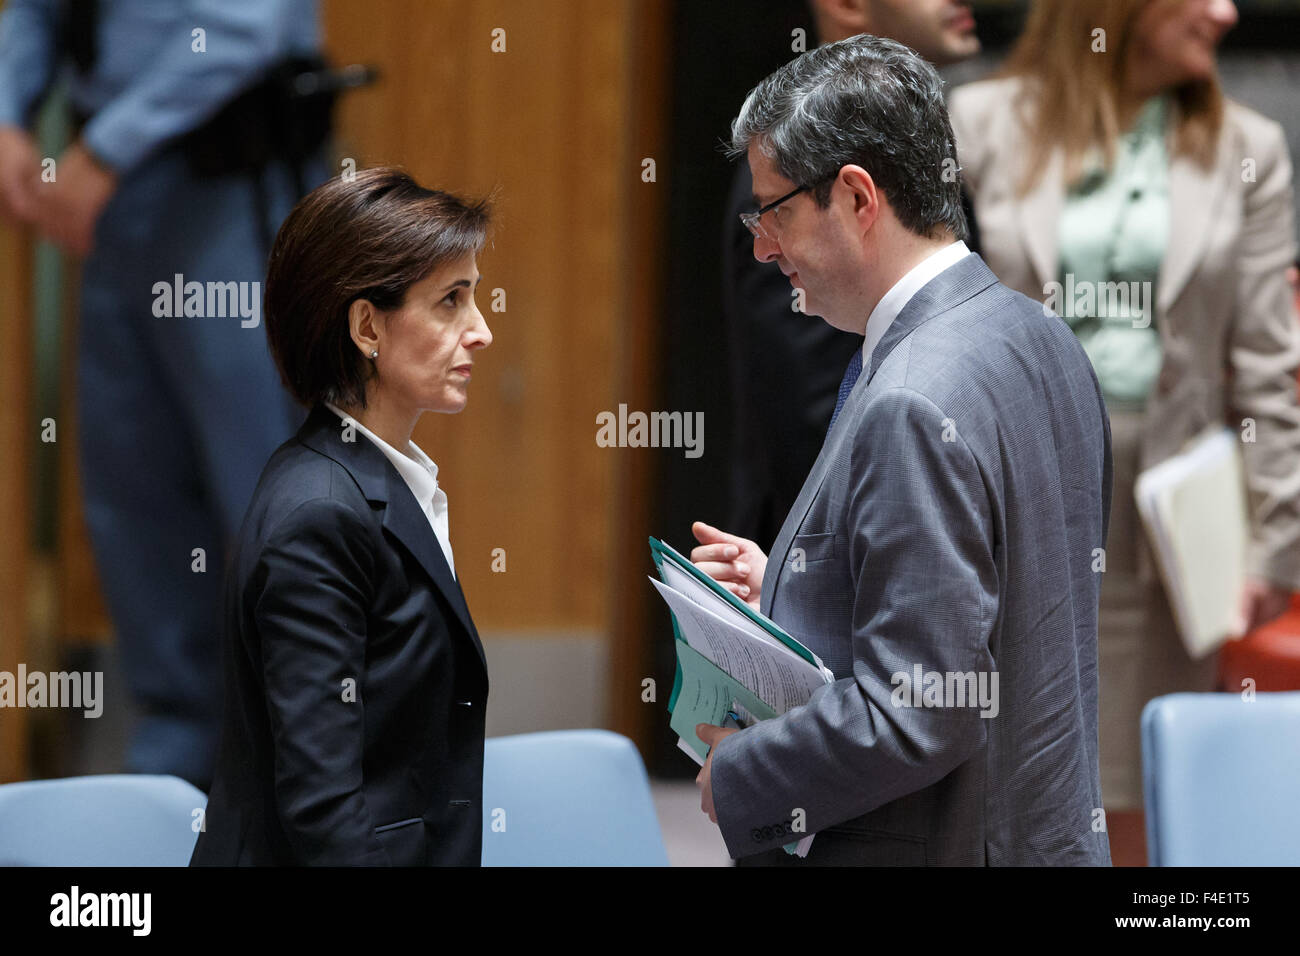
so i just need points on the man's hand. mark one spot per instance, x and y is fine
(68, 208)
(735, 563)
(1261, 602)
(20, 175)
(710, 734)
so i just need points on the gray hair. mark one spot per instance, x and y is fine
(866, 101)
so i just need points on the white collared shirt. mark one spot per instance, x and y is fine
(421, 476)
(887, 309)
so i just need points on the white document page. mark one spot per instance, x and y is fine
(776, 675)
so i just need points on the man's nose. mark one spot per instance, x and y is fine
(765, 250)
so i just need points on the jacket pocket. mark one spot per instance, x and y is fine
(813, 548)
(404, 842)
(400, 823)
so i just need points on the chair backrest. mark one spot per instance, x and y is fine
(568, 798)
(102, 820)
(1221, 778)
(561, 798)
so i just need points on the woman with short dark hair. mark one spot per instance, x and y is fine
(355, 680)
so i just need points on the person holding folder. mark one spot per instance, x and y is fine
(938, 559)
(355, 680)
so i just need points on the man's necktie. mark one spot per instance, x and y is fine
(846, 384)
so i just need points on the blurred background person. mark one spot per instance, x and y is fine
(371, 318)
(177, 411)
(785, 367)
(1103, 152)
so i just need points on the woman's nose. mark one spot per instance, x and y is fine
(481, 335)
(1224, 12)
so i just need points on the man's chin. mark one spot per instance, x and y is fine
(806, 306)
(813, 311)
(841, 326)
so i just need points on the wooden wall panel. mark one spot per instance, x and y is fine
(16, 373)
(637, 616)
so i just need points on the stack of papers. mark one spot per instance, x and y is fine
(734, 665)
(1194, 509)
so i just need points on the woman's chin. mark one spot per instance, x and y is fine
(450, 404)
(1198, 67)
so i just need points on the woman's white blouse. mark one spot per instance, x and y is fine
(421, 476)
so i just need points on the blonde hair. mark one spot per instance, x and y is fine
(1074, 94)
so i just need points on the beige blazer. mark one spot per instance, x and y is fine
(1228, 324)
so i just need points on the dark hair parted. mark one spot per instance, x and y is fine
(369, 237)
(866, 101)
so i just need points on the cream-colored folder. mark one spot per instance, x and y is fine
(1194, 508)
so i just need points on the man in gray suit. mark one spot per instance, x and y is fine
(944, 555)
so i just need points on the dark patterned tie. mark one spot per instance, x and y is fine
(846, 384)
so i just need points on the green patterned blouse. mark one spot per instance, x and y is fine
(1114, 228)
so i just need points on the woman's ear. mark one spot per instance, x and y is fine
(363, 326)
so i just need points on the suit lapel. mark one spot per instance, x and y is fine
(799, 510)
(1039, 214)
(403, 519)
(950, 288)
(1195, 197)
(409, 525)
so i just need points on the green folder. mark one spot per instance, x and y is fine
(709, 690)
(660, 552)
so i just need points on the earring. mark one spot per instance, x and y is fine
(374, 353)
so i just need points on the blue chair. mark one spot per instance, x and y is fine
(1221, 779)
(102, 820)
(568, 798)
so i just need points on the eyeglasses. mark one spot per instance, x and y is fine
(751, 219)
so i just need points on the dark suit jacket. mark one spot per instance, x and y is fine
(355, 681)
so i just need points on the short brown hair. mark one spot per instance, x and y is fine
(372, 236)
